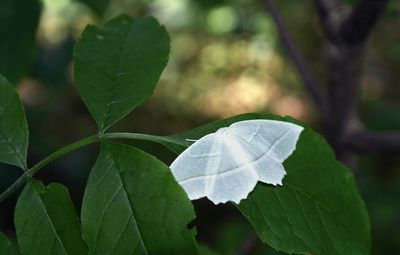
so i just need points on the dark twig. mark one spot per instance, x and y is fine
(356, 28)
(344, 65)
(369, 141)
(331, 14)
(310, 80)
(346, 32)
(325, 7)
(344, 58)
(249, 245)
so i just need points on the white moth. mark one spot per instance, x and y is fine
(226, 165)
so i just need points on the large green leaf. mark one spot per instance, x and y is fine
(317, 210)
(13, 126)
(5, 245)
(46, 221)
(118, 65)
(133, 205)
(18, 23)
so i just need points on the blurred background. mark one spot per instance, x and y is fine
(226, 59)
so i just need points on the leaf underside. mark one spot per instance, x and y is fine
(133, 205)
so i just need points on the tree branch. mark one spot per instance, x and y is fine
(311, 82)
(356, 28)
(346, 30)
(369, 141)
(331, 13)
(345, 51)
(325, 7)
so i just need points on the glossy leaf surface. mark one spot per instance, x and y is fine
(317, 210)
(118, 65)
(133, 205)
(46, 221)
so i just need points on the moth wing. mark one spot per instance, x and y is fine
(226, 167)
(242, 165)
(232, 186)
(216, 167)
(192, 167)
(278, 139)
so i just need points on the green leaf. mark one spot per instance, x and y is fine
(13, 126)
(317, 210)
(5, 245)
(118, 65)
(133, 205)
(46, 221)
(19, 20)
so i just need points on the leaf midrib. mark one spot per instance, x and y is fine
(122, 51)
(133, 216)
(50, 221)
(21, 161)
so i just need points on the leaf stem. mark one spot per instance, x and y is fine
(55, 155)
(144, 137)
(76, 145)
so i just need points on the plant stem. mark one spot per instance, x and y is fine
(55, 155)
(144, 137)
(76, 145)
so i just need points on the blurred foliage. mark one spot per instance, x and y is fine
(381, 116)
(225, 59)
(379, 183)
(99, 6)
(18, 24)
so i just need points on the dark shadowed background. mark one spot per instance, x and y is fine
(227, 57)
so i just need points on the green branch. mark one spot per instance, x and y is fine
(76, 145)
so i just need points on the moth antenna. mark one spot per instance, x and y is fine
(191, 140)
